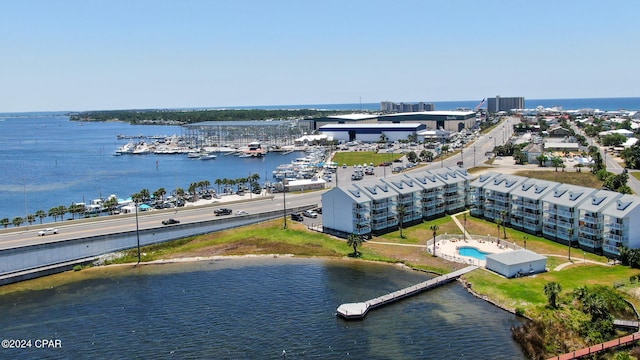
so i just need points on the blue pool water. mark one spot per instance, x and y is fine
(473, 252)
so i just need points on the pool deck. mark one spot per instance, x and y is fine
(449, 249)
(352, 311)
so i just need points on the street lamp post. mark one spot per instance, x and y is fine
(284, 204)
(474, 155)
(137, 231)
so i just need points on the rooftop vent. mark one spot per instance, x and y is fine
(623, 205)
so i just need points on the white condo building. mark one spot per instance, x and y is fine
(372, 206)
(599, 221)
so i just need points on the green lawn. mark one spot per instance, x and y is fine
(364, 157)
(528, 292)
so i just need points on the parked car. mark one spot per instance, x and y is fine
(319, 210)
(47, 231)
(310, 214)
(170, 222)
(223, 211)
(297, 217)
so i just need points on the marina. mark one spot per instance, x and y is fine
(51, 161)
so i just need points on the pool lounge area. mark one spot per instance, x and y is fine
(471, 250)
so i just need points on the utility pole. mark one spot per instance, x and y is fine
(284, 203)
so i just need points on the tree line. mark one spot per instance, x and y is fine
(195, 116)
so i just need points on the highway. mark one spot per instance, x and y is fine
(73, 229)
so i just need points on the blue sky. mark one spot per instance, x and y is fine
(124, 54)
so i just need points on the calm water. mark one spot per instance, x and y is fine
(255, 309)
(49, 161)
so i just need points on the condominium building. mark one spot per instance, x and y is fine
(373, 206)
(621, 225)
(591, 219)
(526, 204)
(599, 221)
(561, 213)
(498, 104)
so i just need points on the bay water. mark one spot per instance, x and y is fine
(48, 161)
(254, 308)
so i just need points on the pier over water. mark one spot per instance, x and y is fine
(352, 311)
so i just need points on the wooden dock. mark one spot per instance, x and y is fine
(352, 311)
(625, 340)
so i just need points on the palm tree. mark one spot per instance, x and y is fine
(17, 221)
(76, 209)
(41, 214)
(503, 215)
(5, 222)
(144, 194)
(354, 241)
(159, 194)
(552, 291)
(31, 218)
(434, 228)
(180, 193)
(61, 211)
(402, 211)
(54, 212)
(110, 204)
(218, 182)
(192, 190)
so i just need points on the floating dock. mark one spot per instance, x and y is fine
(352, 311)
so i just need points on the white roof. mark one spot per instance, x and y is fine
(353, 116)
(440, 113)
(372, 126)
(516, 257)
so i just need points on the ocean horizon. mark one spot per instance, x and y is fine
(604, 104)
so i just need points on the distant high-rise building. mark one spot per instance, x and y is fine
(390, 107)
(498, 103)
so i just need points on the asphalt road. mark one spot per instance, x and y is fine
(28, 235)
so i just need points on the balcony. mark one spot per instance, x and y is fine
(590, 231)
(590, 243)
(616, 226)
(379, 206)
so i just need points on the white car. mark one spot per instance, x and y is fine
(310, 214)
(242, 212)
(47, 231)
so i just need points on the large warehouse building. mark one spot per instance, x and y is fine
(371, 132)
(447, 120)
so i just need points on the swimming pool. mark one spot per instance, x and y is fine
(472, 252)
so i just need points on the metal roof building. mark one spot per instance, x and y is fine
(371, 132)
(516, 263)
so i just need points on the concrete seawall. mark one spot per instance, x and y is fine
(27, 262)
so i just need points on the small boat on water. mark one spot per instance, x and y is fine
(208, 156)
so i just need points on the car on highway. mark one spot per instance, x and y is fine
(297, 217)
(242, 212)
(47, 231)
(310, 214)
(170, 222)
(223, 211)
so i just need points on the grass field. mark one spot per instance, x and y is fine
(583, 178)
(364, 157)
